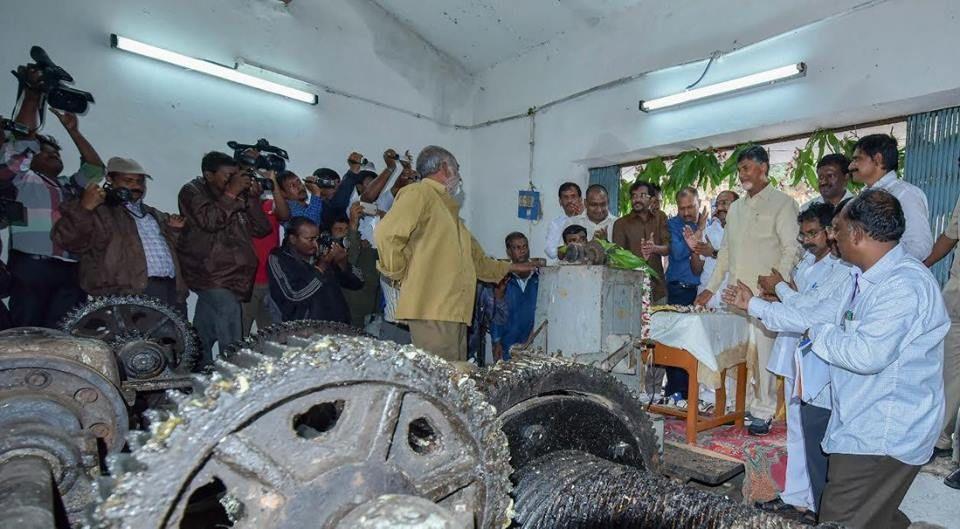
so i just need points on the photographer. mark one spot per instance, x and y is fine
(124, 245)
(223, 214)
(307, 273)
(361, 254)
(45, 284)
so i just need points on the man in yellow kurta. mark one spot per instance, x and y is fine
(761, 235)
(425, 247)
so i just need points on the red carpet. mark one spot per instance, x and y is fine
(764, 458)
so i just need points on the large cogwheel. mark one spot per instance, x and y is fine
(282, 332)
(155, 346)
(551, 404)
(312, 435)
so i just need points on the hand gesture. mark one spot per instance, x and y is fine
(337, 255)
(176, 221)
(67, 119)
(355, 157)
(769, 283)
(578, 207)
(692, 238)
(601, 233)
(407, 160)
(238, 184)
(93, 196)
(356, 211)
(703, 218)
(390, 158)
(738, 295)
(703, 298)
(705, 249)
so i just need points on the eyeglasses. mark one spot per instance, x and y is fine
(812, 234)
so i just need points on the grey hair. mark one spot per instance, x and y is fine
(431, 158)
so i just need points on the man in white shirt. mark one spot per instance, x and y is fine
(833, 176)
(885, 350)
(571, 201)
(596, 218)
(875, 161)
(818, 275)
(709, 241)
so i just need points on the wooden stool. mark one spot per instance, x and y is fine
(681, 358)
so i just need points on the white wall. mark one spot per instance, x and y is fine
(886, 59)
(166, 117)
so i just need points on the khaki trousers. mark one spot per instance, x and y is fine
(446, 339)
(762, 397)
(951, 380)
(864, 492)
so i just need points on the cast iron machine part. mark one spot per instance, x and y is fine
(551, 404)
(576, 490)
(156, 348)
(60, 412)
(310, 433)
(282, 332)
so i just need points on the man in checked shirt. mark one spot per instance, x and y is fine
(124, 245)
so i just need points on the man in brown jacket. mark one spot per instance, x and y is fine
(125, 246)
(223, 215)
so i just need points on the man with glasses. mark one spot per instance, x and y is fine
(818, 275)
(951, 346)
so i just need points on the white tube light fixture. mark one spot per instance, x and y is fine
(734, 85)
(209, 68)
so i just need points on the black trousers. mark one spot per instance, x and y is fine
(677, 379)
(164, 289)
(43, 290)
(864, 492)
(814, 421)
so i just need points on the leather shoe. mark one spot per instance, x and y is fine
(776, 505)
(953, 480)
(759, 428)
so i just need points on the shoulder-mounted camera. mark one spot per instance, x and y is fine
(268, 158)
(52, 83)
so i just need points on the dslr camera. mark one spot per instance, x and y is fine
(52, 83)
(270, 158)
(116, 196)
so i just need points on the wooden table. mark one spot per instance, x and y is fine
(665, 355)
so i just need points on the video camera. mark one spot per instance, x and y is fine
(116, 196)
(275, 159)
(53, 77)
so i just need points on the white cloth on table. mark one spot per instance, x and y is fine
(706, 336)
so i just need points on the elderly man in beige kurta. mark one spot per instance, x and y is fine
(761, 234)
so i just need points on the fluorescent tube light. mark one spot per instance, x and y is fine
(734, 85)
(209, 68)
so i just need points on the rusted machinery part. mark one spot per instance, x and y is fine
(300, 436)
(576, 490)
(552, 404)
(590, 253)
(27, 491)
(281, 333)
(59, 402)
(156, 347)
(395, 511)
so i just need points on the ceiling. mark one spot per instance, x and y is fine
(481, 33)
(478, 34)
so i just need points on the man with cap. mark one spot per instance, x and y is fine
(125, 247)
(45, 285)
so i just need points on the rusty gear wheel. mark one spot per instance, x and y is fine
(156, 348)
(303, 436)
(551, 404)
(282, 332)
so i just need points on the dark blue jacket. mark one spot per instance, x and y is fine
(521, 308)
